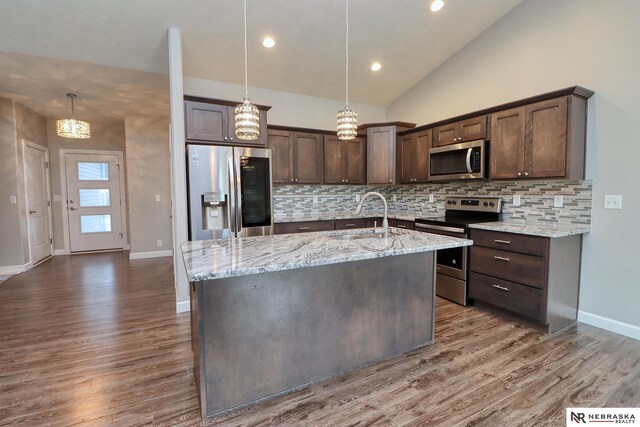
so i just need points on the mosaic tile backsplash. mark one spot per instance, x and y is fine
(296, 202)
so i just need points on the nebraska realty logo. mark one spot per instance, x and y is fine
(581, 416)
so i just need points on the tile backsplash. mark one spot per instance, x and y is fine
(299, 201)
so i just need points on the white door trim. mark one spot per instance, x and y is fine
(26, 143)
(63, 189)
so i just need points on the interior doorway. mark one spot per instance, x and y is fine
(94, 203)
(37, 201)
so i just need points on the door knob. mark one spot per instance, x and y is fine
(72, 208)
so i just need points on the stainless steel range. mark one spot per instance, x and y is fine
(452, 264)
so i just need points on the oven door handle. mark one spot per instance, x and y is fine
(469, 151)
(439, 228)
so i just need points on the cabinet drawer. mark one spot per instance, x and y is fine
(508, 295)
(401, 223)
(525, 269)
(345, 224)
(302, 227)
(531, 245)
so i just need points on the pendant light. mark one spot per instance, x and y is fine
(247, 117)
(72, 128)
(347, 118)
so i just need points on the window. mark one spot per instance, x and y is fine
(93, 171)
(95, 223)
(94, 197)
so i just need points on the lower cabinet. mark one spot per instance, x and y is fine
(346, 224)
(401, 223)
(328, 225)
(537, 277)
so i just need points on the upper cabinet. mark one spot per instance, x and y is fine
(464, 130)
(413, 157)
(543, 139)
(344, 161)
(381, 151)
(213, 121)
(297, 157)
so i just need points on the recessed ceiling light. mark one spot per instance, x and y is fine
(376, 66)
(436, 5)
(268, 42)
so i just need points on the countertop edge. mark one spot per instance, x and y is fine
(533, 230)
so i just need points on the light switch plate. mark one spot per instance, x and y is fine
(159, 243)
(157, 197)
(612, 202)
(558, 201)
(357, 198)
(430, 198)
(516, 200)
(57, 198)
(13, 200)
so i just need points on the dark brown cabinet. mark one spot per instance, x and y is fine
(327, 225)
(541, 140)
(297, 157)
(537, 277)
(213, 122)
(344, 161)
(401, 223)
(413, 156)
(464, 130)
(382, 151)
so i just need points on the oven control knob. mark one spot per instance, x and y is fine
(453, 261)
(486, 203)
(454, 202)
(448, 202)
(492, 204)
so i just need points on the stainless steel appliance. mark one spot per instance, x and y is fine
(230, 192)
(458, 161)
(453, 264)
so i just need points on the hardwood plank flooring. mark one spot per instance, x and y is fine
(94, 340)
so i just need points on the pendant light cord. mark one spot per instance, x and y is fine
(73, 113)
(346, 95)
(246, 84)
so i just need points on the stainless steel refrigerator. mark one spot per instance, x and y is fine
(230, 192)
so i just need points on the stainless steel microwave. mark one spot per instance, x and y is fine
(458, 161)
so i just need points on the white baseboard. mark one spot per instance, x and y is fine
(57, 252)
(183, 306)
(10, 270)
(156, 254)
(621, 328)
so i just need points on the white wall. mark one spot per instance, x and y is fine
(544, 45)
(288, 109)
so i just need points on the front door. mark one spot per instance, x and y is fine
(94, 202)
(36, 161)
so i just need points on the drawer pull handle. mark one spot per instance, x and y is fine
(506, 242)
(500, 258)
(502, 288)
(401, 226)
(303, 228)
(349, 225)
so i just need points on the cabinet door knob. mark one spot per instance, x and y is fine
(346, 180)
(296, 179)
(519, 174)
(390, 180)
(226, 138)
(291, 179)
(526, 174)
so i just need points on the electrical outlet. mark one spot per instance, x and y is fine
(157, 197)
(357, 198)
(13, 200)
(315, 199)
(159, 243)
(612, 202)
(516, 200)
(394, 198)
(430, 198)
(558, 201)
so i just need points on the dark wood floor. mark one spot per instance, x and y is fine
(94, 340)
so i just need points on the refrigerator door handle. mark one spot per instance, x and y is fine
(231, 206)
(238, 185)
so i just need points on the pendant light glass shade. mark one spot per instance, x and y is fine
(247, 118)
(247, 121)
(347, 124)
(347, 118)
(72, 128)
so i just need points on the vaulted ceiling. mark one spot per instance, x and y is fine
(114, 53)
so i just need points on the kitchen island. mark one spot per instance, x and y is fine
(272, 314)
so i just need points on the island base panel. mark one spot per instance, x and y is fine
(262, 335)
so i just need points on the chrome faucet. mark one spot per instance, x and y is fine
(385, 222)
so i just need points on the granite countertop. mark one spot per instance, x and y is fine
(216, 259)
(331, 217)
(534, 228)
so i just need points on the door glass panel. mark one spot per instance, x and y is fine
(94, 197)
(95, 223)
(256, 191)
(90, 171)
(449, 162)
